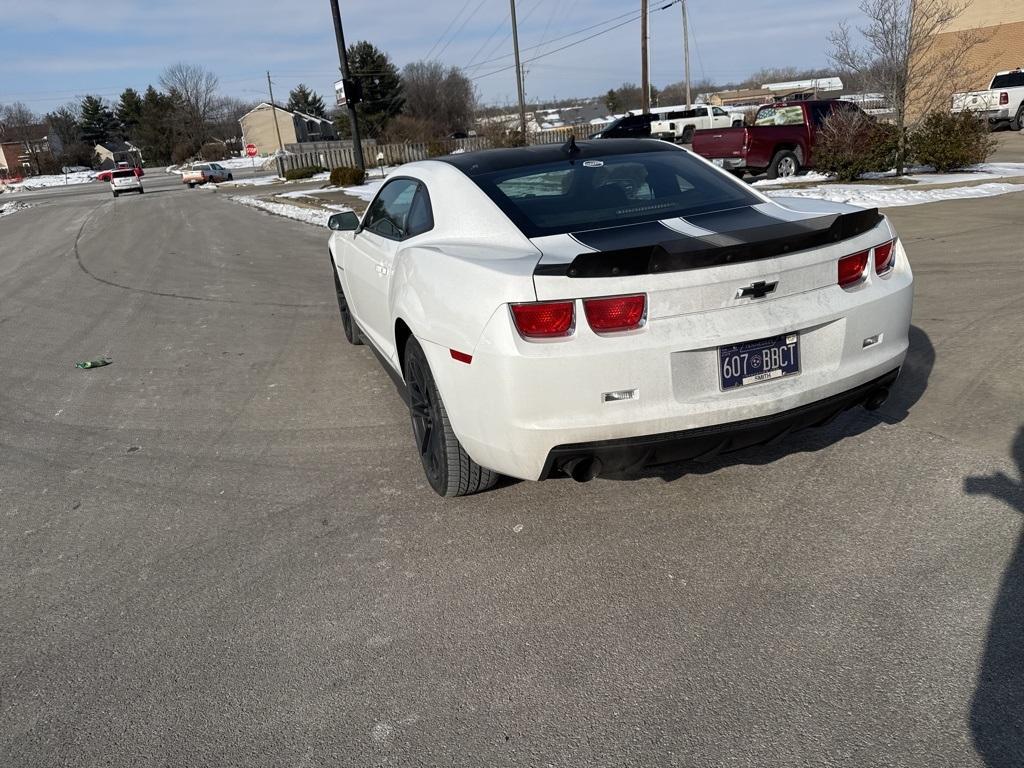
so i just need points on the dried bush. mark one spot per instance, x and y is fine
(296, 174)
(347, 177)
(850, 143)
(213, 150)
(946, 141)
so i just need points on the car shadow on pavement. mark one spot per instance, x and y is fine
(910, 387)
(997, 711)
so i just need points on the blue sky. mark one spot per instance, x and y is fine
(59, 50)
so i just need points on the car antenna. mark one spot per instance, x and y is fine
(570, 147)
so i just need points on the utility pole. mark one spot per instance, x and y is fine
(686, 52)
(273, 108)
(339, 35)
(519, 71)
(645, 69)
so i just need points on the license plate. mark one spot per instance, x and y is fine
(761, 360)
(718, 161)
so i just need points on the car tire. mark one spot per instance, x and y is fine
(687, 137)
(230, 177)
(1018, 122)
(142, 191)
(737, 123)
(448, 468)
(115, 194)
(785, 164)
(348, 323)
(191, 185)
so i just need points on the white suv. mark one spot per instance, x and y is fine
(125, 180)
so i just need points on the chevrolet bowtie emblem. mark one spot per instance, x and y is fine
(757, 290)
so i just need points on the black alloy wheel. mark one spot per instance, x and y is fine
(348, 325)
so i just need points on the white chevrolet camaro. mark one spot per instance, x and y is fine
(592, 308)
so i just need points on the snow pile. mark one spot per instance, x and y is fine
(253, 181)
(6, 209)
(208, 185)
(810, 176)
(883, 196)
(307, 215)
(921, 174)
(364, 191)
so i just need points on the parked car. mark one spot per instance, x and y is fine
(589, 309)
(205, 173)
(779, 143)
(680, 126)
(125, 180)
(628, 127)
(1001, 104)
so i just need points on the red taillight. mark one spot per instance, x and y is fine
(851, 269)
(1004, 98)
(615, 313)
(544, 319)
(884, 258)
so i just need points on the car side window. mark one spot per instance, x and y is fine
(389, 213)
(719, 112)
(421, 215)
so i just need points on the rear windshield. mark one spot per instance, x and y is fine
(122, 174)
(1009, 80)
(576, 195)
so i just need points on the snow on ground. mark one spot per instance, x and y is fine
(363, 191)
(56, 180)
(254, 181)
(918, 174)
(6, 209)
(308, 215)
(885, 196)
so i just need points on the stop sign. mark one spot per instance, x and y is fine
(250, 150)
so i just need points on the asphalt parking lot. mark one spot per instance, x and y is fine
(220, 550)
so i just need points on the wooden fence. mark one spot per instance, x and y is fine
(336, 154)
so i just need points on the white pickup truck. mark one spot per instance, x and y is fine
(1003, 102)
(680, 126)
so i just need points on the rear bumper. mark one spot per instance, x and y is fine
(632, 453)
(729, 163)
(992, 115)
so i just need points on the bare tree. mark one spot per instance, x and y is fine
(439, 95)
(16, 122)
(901, 53)
(195, 91)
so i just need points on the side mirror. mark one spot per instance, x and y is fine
(346, 221)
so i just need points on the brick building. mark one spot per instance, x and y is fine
(1000, 25)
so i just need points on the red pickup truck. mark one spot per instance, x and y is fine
(780, 142)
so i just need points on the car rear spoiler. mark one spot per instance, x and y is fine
(684, 252)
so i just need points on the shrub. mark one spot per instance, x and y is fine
(295, 174)
(851, 143)
(182, 152)
(213, 150)
(946, 141)
(347, 177)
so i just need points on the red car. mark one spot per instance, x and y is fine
(106, 175)
(779, 143)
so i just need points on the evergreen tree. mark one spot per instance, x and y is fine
(129, 110)
(97, 121)
(382, 89)
(611, 101)
(156, 131)
(302, 99)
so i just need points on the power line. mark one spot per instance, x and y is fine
(446, 29)
(570, 45)
(455, 34)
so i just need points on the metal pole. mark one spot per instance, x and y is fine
(273, 108)
(519, 71)
(645, 73)
(686, 52)
(353, 118)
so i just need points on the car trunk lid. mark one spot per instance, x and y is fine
(709, 261)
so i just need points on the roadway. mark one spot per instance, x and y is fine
(220, 549)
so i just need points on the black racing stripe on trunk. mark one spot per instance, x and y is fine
(679, 253)
(731, 220)
(629, 236)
